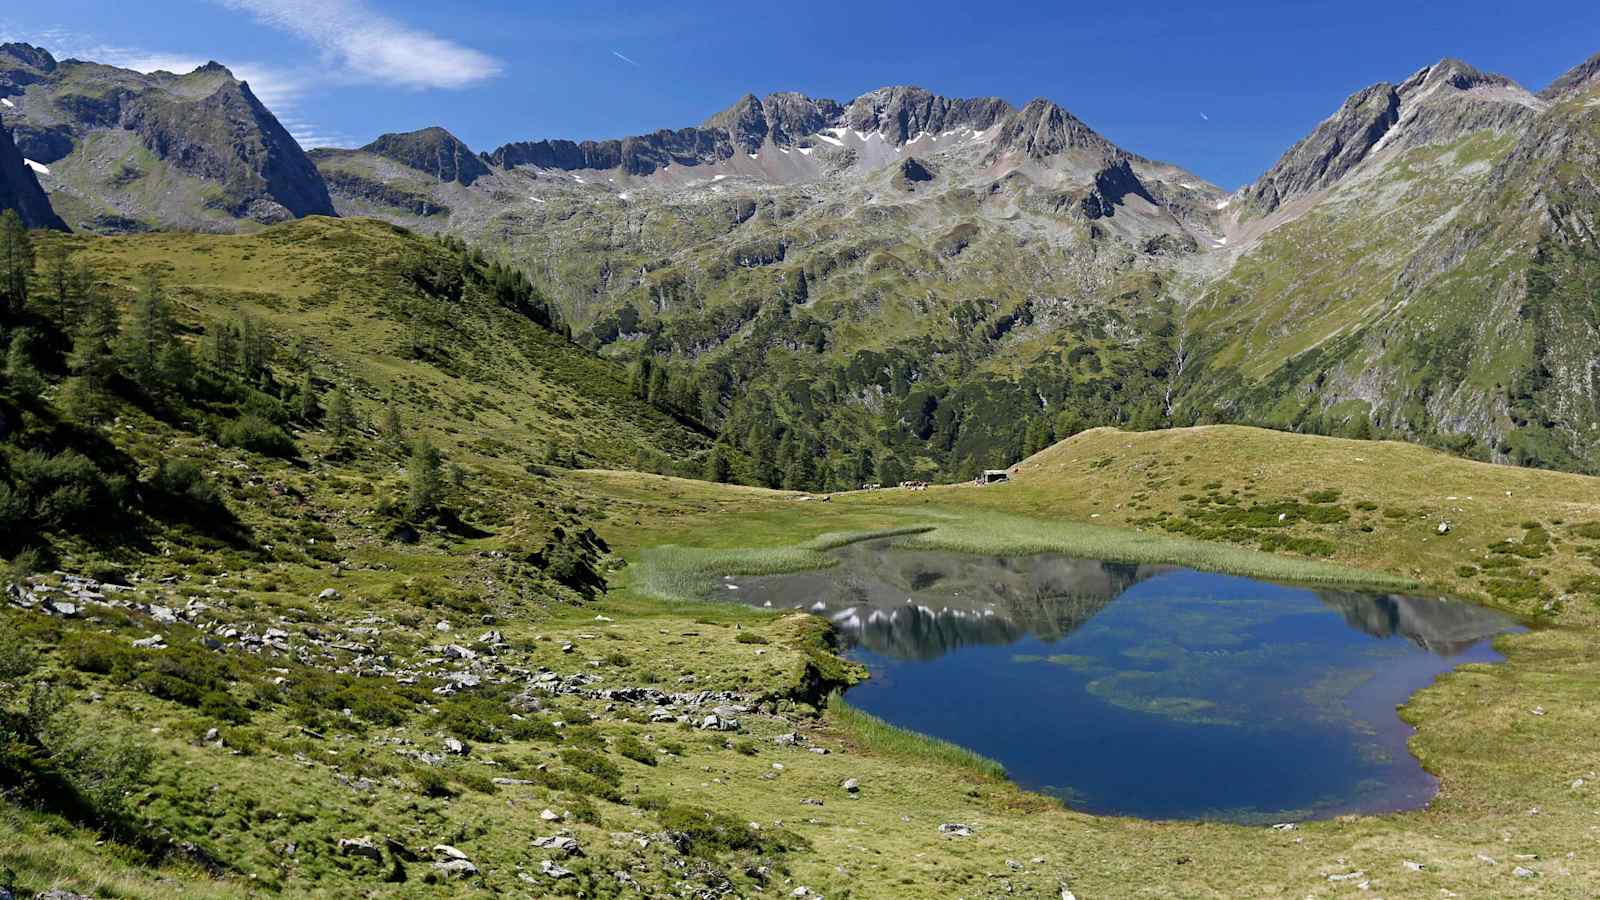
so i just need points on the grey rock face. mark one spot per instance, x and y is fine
(19, 187)
(904, 111)
(1333, 149)
(204, 124)
(1574, 80)
(1042, 129)
(1438, 104)
(434, 151)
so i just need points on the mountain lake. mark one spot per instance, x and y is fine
(1148, 691)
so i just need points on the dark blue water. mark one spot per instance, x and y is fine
(1146, 691)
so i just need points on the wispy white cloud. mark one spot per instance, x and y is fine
(618, 55)
(368, 46)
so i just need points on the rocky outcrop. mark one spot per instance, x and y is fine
(901, 113)
(228, 136)
(434, 151)
(640, 155)
(1112, 186)
(354, 186)
(1042, 129)
(19, 187)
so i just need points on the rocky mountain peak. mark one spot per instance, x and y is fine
(434, 151)
(1043, 129)
(1574, 80)
(1455, 74)
(745, 122)
(28, 56)
(1438, 104)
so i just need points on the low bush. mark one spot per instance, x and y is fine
(632, 748)
(594, 765)
(257, 435)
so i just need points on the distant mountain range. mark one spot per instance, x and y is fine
(930, 278)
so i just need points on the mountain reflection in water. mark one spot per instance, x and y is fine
(922, 604)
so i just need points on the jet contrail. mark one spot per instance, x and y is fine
(1206, 117)
(623, 58)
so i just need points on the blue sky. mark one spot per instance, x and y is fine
(1222, 88)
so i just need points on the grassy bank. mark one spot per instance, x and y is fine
(679, 573)
(866, 733)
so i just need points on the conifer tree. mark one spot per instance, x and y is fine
(427, 482)
(150, 330)
(16, 261)
(93, 357)
(341, 416)
(26, 381)
(62, 281)
(310, 409)
(392, 429)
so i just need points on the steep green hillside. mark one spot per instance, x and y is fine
(1445, 293)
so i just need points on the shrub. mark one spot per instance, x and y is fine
(102, 654)
(221, 705)
(183, 479)
(432, 783)
(750, 637)
(63, 490)
(704, 833)
(594, 765)
(632, 748)
(256, 434)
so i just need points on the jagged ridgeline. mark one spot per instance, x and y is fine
(905, 284)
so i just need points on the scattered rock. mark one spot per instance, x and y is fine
(550, 816)
(1444, 527)
(1283, 826)
(1524, 872)
(956, 829)
(1537, 710)
(456, 868)
(328, 594)
(448, 851)
(851, 785)
(153, 642)
(360, 846)
(551, 869)
(451, 745)
(560, 843)
(1412, 866)
(1348, 876)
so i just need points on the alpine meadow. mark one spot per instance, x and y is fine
(898, 495)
